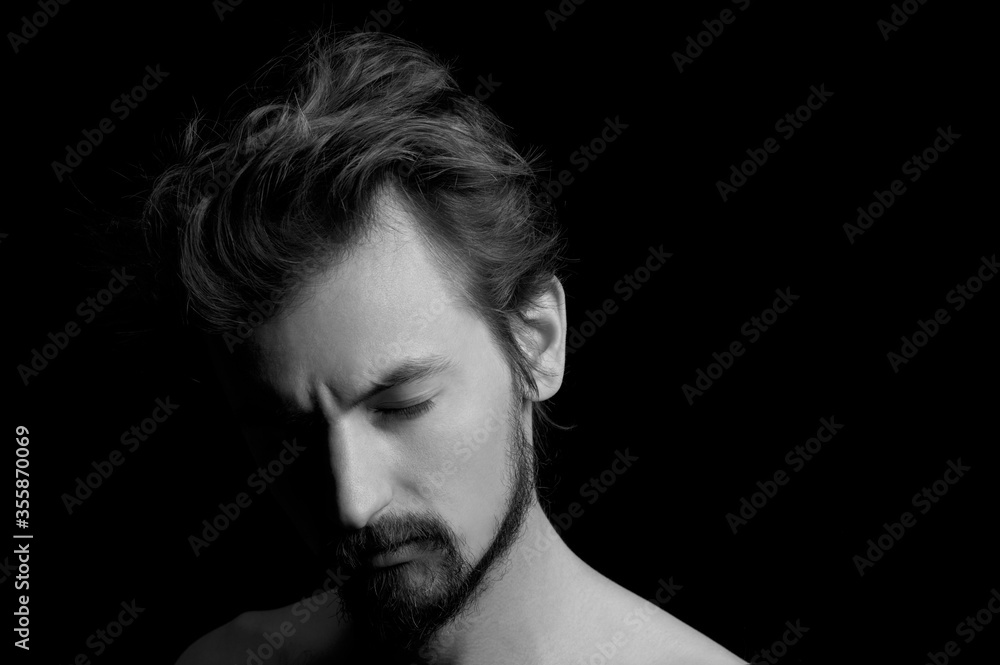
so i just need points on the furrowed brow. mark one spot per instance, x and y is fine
(411, 369)
(266, 402)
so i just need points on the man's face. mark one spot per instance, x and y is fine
(423, 437)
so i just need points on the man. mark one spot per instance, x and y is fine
(376, 274)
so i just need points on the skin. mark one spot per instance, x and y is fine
(358, 320)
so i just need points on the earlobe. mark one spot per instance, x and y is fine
(543, 339)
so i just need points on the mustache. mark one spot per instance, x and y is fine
(356, 549)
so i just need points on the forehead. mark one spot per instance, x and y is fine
(385, 300)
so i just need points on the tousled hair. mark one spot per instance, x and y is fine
(255, 208)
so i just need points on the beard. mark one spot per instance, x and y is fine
(406, 605)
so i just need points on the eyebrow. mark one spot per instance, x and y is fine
(406, 371)
(411, 369)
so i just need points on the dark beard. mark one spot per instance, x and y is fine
(386, 604)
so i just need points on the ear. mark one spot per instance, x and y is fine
(543, 339)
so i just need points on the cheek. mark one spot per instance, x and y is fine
(463, 466)
(480, 481)
(461, 471)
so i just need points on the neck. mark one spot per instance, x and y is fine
(530, 594)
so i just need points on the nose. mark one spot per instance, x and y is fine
(361, 474)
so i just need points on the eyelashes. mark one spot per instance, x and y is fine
(307, 427)
(407, 412)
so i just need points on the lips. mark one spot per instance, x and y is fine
(397, 555)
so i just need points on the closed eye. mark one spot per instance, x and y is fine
(411, 411)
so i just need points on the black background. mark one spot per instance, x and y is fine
(655, 185)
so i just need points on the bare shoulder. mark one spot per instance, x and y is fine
(222, 645)
(640, 632)
(297, 634)
(661, 638)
